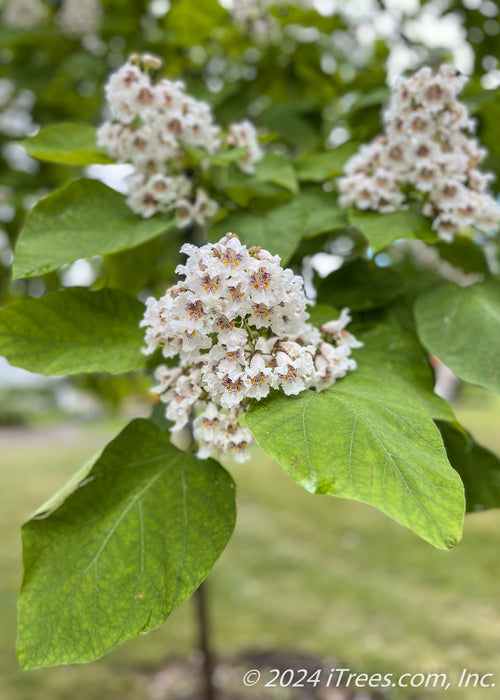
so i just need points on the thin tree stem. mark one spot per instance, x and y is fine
(204, 641)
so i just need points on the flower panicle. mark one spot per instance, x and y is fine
(154, 120)
(238, 323)
(425, 145)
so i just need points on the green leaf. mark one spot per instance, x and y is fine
(196, 155)
(361, 284)
(243, 188)
(229, 156)
(306, 17)
(73, 331)
(136, 268)
(289, 122)
(391, 348)
(278, 170)
(323, 166)
(323, 212)
(279, 230)
(60, 496)
(377, 96)
(476, 102)
(322, 313)
(464, 253)
(193, 24)
(365, 439)
(274, 177)
(478, 467)
(461, 327)
(71, 144)
(127, 547)
(78, 220)
(381, 230)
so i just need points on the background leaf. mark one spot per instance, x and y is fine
(244, 189)
(461, 327)
(126, 548)
(464, 253)
(361, 284)
(274, 178)
(323, 166)
(479, 468)
(73, 331)
(365, 439)
(289, 121)
(321, 313)
(192, 25)
(381, 230)
(390, 347)
(81, 219)
(71, 144)
(278, 170)
(323, 212)
(279, 230)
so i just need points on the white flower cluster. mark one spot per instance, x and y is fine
(238, 323)
(425, 146)
(79, 18)
(153, 121)
(24, 14)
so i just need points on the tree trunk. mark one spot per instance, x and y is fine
(204, 641)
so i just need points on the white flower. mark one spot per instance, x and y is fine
(122, 90)
(331, 364)
(244, 134)
(260, 378)
(294, 375)
(24, 14)
(79, 17)
(184, 213)
(425, 146)
(333, 329)
(223, 361)
(204, 208)
(179, 411)
(239, 324)
(166, 376)
(153, 122)
(114, 137)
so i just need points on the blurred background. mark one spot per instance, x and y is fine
(312, 575)
(331, 579)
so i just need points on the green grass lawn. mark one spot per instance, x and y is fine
(308, 573)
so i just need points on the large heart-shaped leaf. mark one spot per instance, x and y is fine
(279, 230)
(364, 438)
(73, 331)
(128, 545)
(361, 284)
(396, 350)
(323, 166)
(81, 219)
(478, 467)
(71, 144)
(381, 230)
(461, 327)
